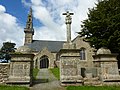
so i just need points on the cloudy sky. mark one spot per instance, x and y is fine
(48, 19)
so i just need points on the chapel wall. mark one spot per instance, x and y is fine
(89, 51)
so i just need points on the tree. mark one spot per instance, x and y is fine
(6, 49)
(102, 28)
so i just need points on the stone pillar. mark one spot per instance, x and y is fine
(106, 63)
(70, 73)
(68, 21)
(68, 32)
(21, 69)
(68, 25)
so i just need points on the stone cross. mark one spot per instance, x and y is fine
(68, 21)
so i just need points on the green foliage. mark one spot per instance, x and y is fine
(5, 87)
(56, 72)
(102, 28)
(8, 47)
(93, 88)
(35, 72)
(1, 55)
(16, 53)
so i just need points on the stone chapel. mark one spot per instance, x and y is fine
(47, 53)
(76, 59)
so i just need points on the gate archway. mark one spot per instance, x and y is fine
(44, 62)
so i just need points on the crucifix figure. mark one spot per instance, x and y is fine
(68, 21)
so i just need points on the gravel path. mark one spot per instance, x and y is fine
(46, 81)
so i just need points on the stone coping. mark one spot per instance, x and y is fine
(5, 63)
(105, 60)
(64, 50)
(18, 82)
(22, 55)
(70, 56)
(21, 60)
(63, 81)
(106, 55)
(111, 80)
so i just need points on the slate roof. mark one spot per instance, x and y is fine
(53, 46)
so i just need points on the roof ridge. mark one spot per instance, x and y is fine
(49, 40)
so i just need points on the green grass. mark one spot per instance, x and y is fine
(93, 88)
(6, 87)
(56, 72)
(35, 72)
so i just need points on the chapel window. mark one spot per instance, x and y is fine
(82, 54)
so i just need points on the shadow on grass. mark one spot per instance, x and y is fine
(38, 81)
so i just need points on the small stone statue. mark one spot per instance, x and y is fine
(68, 18)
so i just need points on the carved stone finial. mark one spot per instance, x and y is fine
(29, 23)
(30, 13)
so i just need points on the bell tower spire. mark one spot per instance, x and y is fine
(29, 30)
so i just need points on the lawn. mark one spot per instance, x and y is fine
(56, 72)
(35, 72)
(93, 88)
(6, 87)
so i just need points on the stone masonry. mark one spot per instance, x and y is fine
(4, 72)
(69, 69)
(106, 64)
(103, 72)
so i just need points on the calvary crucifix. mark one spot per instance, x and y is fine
(68, 21)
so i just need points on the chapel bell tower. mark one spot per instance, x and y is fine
(28, 30)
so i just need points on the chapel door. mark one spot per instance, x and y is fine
(44, 62)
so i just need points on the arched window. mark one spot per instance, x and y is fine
(44, 62)
(82, 54)
(36, 62)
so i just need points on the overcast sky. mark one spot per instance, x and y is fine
(48, 19)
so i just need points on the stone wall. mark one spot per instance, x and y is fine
(74, 71)
(4, 72)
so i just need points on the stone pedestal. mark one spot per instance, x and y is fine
(70, 73)
(69, 46)
(106, 63)
(21, 69)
